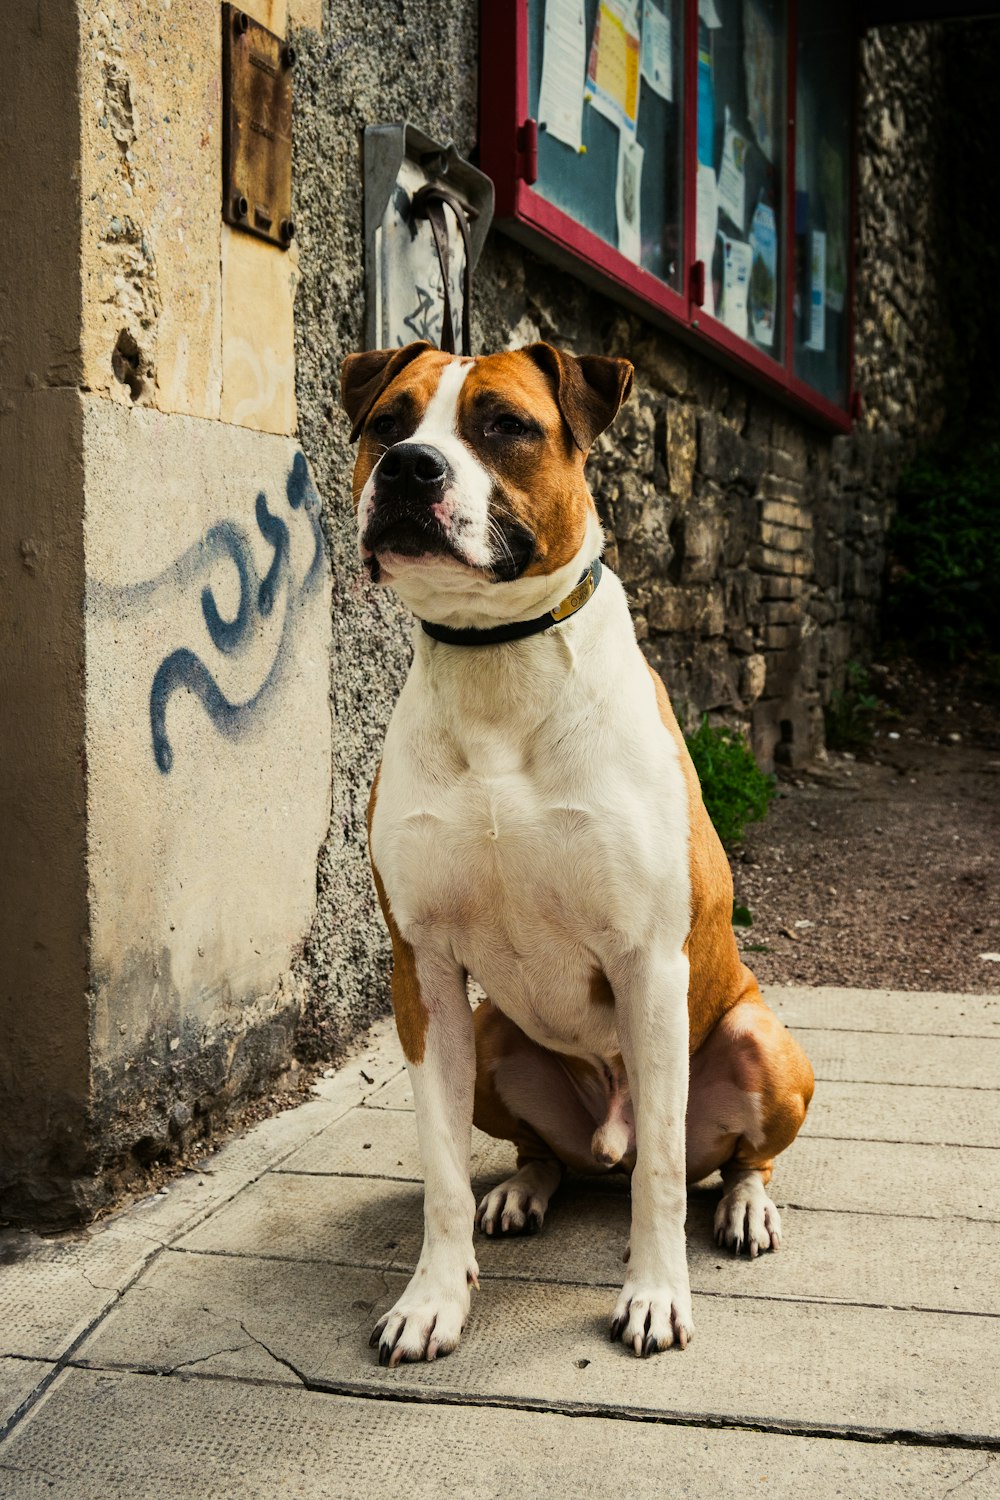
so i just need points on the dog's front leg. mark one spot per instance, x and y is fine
(654, 1309)
(439, 1041)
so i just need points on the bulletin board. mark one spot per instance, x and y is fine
(652, 148)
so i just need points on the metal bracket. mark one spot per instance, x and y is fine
(256, 128)
(402, 273)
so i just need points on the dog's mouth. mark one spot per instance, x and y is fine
(406, 529)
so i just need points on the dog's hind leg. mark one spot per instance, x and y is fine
(525, 1095)
(751, 1084)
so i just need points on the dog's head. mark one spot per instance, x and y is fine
(469, 480)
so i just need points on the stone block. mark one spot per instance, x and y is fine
(770, 560)
(725, 456)
(698, 610)
(752, 678)
(786, 513)
(776, 587)
(258, 344)
(782, 611)
(702, 545)
(150, 200)
(682, 449)
(208, 730)
(784, 538)
(665, 362)
(779, 637)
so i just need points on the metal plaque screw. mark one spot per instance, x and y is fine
(287, 229)
(240, 206)
(241, 23)
(289, 56)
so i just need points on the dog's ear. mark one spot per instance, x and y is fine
(363, 378)
(590, 389)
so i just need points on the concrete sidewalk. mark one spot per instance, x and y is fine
(213, 1341)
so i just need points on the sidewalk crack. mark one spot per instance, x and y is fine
(968, 1478)
(279, 1359)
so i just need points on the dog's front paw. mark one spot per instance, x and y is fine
(651, 1316)
(747, 1220)
(428, 1318)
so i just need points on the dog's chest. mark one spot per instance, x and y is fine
(530, 862)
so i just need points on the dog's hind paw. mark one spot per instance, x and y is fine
(746, 1220)
(518, 1205)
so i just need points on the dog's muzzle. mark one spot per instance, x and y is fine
(410, 482)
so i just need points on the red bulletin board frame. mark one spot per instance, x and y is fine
(508, 154)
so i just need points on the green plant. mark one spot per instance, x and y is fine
(849, 717)
(735, 790)
(943, 598)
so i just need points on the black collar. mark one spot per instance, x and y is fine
(518, 629)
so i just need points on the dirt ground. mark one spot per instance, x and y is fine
(882, 868)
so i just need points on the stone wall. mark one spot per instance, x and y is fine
(751, 543)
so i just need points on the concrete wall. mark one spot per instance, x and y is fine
(166, 723)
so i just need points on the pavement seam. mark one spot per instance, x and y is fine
(534, 1278)
(709, 1421)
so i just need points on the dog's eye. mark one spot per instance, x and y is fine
(508, 426)
(383, 425)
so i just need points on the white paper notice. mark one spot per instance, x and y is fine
(736, 261)
(564, 67)
(761, 79)
(817, 292)
(706, 223)
(732, 176)
(708, 14)
(628, 191)
(657, 58)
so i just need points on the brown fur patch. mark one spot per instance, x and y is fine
(719, 979)
(407, 1003)
(539, 480)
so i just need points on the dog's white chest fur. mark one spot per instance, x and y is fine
(531, 820)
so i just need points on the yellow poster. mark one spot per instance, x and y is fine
(613, 69)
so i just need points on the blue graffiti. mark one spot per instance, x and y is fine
(183, 668)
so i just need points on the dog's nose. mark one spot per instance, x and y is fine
(413, 469)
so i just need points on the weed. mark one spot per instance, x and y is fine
(849, 717)
(734, 788)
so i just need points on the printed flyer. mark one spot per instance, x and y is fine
(817, 292)
(736, 263)
(613, 69)
(627, 196)
(732, 176)
(763, 275)
(560, 99)
(657, 58)
(706, 224)
(758, 59)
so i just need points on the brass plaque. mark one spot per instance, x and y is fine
(257, 69)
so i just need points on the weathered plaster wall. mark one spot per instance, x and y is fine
(43, 929)
(751, 543)
(166, 726)
(208, 743)
(180, 311)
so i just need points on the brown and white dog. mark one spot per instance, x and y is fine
(536, 823)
